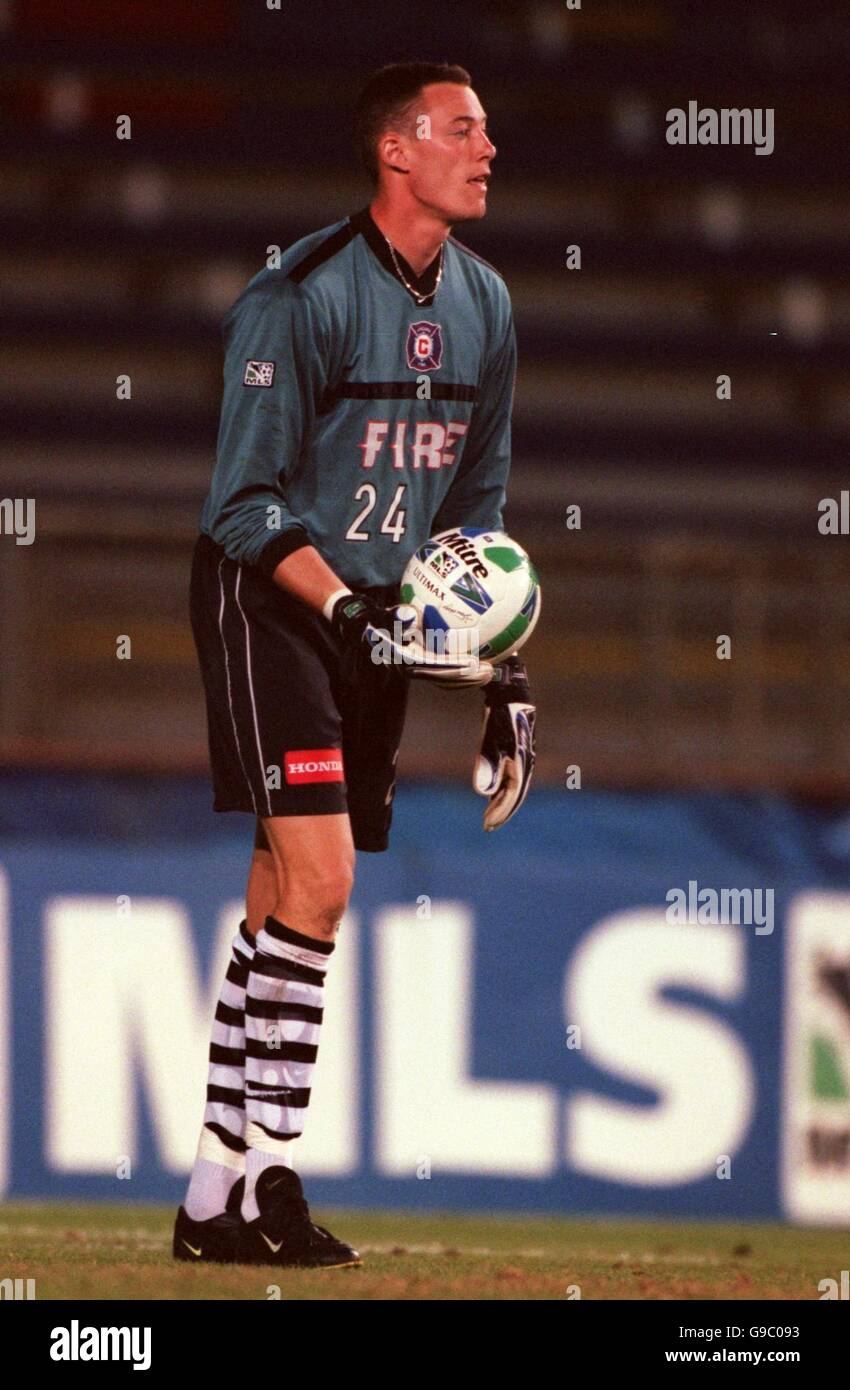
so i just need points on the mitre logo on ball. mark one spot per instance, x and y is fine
(424, 346)
(474, 590)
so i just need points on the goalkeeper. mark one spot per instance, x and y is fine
(368, 384)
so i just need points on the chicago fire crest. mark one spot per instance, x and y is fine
(424, 346)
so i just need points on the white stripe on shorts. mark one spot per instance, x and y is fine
(229, 690)
(251, 691)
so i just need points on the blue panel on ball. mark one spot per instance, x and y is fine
(432, 618)
(530, 602)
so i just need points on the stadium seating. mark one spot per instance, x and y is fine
(699, 516)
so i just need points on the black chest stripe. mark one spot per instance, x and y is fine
(396, 391)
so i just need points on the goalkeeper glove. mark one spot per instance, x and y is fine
(375, 636)
(505, 761)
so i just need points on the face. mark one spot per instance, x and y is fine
(447, 172)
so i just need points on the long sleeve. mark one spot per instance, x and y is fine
(274, 375)
(477, 494)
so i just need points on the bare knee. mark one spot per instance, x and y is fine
(314, 859)
(331, 893)
(319, 895)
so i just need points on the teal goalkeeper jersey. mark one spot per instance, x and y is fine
(354, 418)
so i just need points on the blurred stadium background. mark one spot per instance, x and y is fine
(699, 518)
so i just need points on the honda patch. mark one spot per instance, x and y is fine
(313, 765)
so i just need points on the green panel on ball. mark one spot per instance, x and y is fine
(506, 638)
(504, 557)
(407, 593)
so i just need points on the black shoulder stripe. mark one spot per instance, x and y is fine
(328, 248)
(474, 254)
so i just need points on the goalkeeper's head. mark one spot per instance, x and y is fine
(422, 136)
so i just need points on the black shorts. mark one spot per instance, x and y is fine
(287, 737)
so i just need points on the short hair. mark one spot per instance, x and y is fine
(386, 99)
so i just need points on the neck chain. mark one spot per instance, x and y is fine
(420, 298)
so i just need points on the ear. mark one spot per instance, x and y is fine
(392, 154)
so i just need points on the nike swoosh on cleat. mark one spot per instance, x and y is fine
(270, 1243)
(195, 1252)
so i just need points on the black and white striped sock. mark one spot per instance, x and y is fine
(283, 1015)
(220, 1159)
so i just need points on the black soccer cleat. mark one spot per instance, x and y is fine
(283, 1233)
(212, 1241)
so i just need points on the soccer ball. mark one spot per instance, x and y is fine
(475, 591)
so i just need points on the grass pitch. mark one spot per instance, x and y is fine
(124, 1252)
